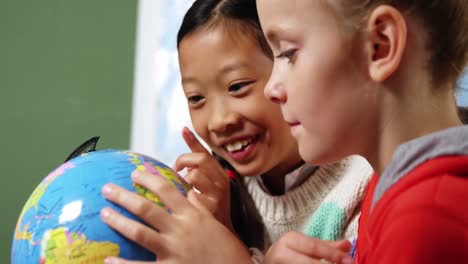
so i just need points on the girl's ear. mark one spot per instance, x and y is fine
(386, 42)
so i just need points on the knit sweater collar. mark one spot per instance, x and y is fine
(299, 200)
(304, 207)
(291, 180)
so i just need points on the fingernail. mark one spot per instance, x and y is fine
(136, 174)
(106, 190)
(187, 132)
(105, 213)
(109, 260)
(347, 260)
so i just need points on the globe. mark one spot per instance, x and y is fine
(60, 222)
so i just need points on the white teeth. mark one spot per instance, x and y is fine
(237, 145)
(234, 146)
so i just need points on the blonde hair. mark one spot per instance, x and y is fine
(445, 22)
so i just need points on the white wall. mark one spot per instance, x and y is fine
(159, 106)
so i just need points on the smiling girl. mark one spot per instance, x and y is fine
(225, 63)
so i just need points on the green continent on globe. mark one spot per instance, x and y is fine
(148, 195)
(61, 246)
(166, 173)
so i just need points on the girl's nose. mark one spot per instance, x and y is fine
(274, 90)
(223, 118)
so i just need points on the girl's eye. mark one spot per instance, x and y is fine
(237, 87)
(195, 99)
(290, 55)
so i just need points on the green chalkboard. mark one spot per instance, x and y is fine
(66, 73)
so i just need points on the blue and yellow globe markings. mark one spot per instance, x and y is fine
(60, 222)
(162, 171)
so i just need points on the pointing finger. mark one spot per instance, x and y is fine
(192, 141)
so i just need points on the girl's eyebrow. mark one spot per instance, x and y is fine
(223, 71)
(232, 67)
(188, 80)
(275, 34)
(272, 34)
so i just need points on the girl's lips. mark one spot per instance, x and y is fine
(292, 124)
(294, 127)
(244, 153)
(241, 155)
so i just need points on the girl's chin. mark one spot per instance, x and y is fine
(318, 157)
(248, 170)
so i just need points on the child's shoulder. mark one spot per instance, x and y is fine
(418, 160)
(436, 188)
(424, 216)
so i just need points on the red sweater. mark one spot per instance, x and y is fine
(423, 218)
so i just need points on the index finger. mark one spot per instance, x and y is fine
(316, 248)
(165, 191)
(192, 141)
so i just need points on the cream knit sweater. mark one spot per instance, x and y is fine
(325, 205)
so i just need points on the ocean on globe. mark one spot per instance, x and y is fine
(60, 222)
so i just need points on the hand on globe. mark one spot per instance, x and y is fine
(208, 177)
(186, 235)
(304, 249)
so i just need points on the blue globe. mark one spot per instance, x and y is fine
(60, 222)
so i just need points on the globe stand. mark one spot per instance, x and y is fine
(88, 146)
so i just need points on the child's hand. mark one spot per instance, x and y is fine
(208, 177)
(298, 248)
(187, 235)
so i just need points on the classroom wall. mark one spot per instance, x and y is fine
(66, 74)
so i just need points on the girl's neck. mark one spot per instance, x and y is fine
(274, 180)
(411, 113)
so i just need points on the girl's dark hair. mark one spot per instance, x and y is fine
(244, 216)
(463, 114)
(232, 16)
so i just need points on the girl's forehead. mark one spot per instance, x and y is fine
(218, 44)
(270, 10)
(210, 60)
(214, 36)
